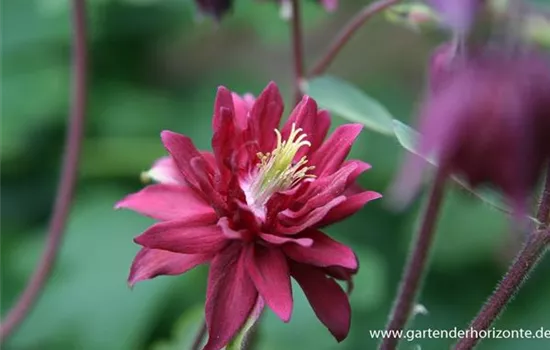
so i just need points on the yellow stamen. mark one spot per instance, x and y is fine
(276, 170)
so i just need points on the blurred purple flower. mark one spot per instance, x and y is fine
(253, 209)
(457, 14)
(490, 122)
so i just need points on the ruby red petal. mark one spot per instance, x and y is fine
(265, 116)
(278, 240)
(329, 302)
(242, 108)
(304, 117)
(323, 190)
(230, 297)
(324, 252)
(168, 202)
(350, 206)
(181, 237)
(224, 100)
(268, 270)
(183, 151)
(165, 171)
(309, 220)
(150, 263)
(329, 157)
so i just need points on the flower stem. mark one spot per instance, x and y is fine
(67, 179)
(525, 262)
(416, 264)
(297, 49)
(347, 32)
(199, 338)
(543, 213)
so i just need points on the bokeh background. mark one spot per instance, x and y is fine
(155, 65)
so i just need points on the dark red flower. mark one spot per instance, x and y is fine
(253, 209)
(489, 122)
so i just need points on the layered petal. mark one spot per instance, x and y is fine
(184, 152)
(309, 220)
(278, 240)
(269, 271)
(181, 237)
(165, 171)
(324, 252)
(322, 191)
(329, 302)
(329, 157)
(265, 116)
(169, 202)
(242, 108)
(303, 117)
(350, 206)
(230, 297)
(150, 263)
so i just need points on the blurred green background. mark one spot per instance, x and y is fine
(155, 65)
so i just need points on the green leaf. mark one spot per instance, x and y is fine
(348, 102)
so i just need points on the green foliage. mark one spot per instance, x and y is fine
(349, 102)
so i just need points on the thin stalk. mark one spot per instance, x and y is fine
(524, 264)
(297, 49)
(347, 32)
(543, 213)
(67, 179)
(417, 262)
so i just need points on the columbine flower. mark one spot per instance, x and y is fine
(253, 209)
(489, 123)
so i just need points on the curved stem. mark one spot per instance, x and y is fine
(525, 262)
(67, 179)
(416, 263)
(199, 338)
(543, 213)
(347, 32)
(297, 49)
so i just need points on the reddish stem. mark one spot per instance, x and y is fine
(543, 213)
(347, 32)
(525, 262)
(297, 50)
(416, 264)
(67, 179)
